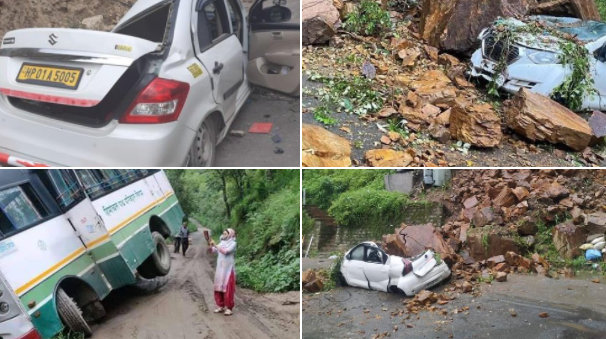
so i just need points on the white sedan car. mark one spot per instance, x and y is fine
(161, 89)
(367, 266)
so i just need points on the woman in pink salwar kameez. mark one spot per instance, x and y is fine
(225, 275)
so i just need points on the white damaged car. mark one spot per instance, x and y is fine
(533, 60)
(367, 266)
(161, 89)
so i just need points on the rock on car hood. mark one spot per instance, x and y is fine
(588, 32)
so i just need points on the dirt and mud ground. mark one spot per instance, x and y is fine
(183, 306)
(574, 309)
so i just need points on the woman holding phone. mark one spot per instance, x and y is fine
(225, 275)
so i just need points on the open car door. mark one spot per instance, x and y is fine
(274, 45)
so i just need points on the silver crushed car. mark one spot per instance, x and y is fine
(533, 60)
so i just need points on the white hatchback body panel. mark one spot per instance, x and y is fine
(387, 275)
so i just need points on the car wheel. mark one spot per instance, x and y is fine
(158, 263)
(71, 314)
(202, 152)
(341, 279)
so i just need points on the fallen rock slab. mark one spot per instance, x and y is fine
(567, 237)
(453, 25)
(582, 9)
(539, 118)
(597, 122)
(412, 240)
(476, 124)
(322, 148)
(388, 158)
(320, 20)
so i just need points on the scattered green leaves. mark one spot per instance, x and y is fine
(368, 19)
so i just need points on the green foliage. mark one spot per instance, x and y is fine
(398, 127)
(308, 224)
(368, 19)
(321, 114)
(367, 205)
(69, 335)
(324, 186)
(602, 8)
(347, 95)
(264, 211)
(580, 82)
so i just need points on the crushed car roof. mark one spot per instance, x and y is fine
(138, 7)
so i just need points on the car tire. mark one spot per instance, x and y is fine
(71, 314)
(203, 149)
(158, 263)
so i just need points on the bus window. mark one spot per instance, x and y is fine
(63, 185)
(21, 206)
(5, 225)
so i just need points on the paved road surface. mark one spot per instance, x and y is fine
(576, 308)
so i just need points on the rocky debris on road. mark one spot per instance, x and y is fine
(322, 148)
(312, 282)
(495, 222)
(320, 20)
(476, 124)
(427, 92)
(426, 300)
(539, 118)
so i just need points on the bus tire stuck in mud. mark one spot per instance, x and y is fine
(71, 314)
(158, 263)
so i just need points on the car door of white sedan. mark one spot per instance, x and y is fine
(353, 268)
(375, 270)
(220, 52)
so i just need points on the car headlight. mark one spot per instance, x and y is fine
(544, 58)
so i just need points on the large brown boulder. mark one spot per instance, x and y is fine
(454, 25)
(490, 241)
(322, 148)
(476, 124)
(320, 19)
(539, 118)
(567, 237)
(412, 240)
(388, 158)
(584, 9)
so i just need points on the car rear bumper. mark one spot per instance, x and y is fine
(30, 140)
(18, 327)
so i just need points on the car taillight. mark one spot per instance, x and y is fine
(160, 102)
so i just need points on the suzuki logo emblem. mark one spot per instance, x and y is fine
(52, 39)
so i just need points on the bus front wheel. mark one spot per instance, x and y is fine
(158, 263)
(71, 314)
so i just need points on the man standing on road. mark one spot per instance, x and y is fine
(225, 276)
(183, 237)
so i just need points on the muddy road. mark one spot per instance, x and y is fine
(183, 306)
(576, 309)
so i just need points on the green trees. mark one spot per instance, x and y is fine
(262, 206)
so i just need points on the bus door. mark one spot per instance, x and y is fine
(154, 187)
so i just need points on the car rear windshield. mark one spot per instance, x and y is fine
(150, 24)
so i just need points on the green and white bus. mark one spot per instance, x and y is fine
(70, 237)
